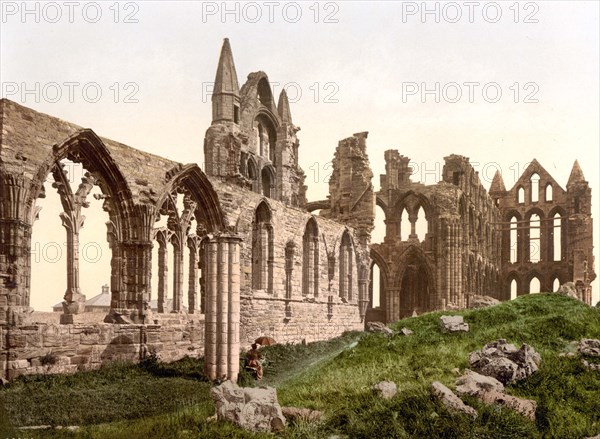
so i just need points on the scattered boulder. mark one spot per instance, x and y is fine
(477, 302)
(491, 391)
(405, 331)
(385, 389)
(590, 365)
(526, 407)
(452, 402)
(474, 384)
(505, 362)
(568, 289)
(379, 327)
(254, 409)
(295, 413)
(453, 324)
(589, 347)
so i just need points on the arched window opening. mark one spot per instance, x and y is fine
(69, 236)
(267, 183)
(310, 260)
(421, 224)
(513, 240)
(346, 268)
(513, 289)
(534, 238)
(535, 187)
(266, 137)
(557, 238)
(549, 192)
(556, 285)
(375, 286)
(404, 225)
(262, 249)
(263, 141)
(252, 174)
(534, 286)
(520, 195)
(378, 234)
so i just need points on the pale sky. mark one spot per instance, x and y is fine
(354, 63)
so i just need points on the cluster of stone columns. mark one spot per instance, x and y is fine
(222, 319)
(454, 288)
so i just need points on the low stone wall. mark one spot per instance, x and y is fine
(45, 348)
(309, 321)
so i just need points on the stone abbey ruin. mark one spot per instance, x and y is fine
(257, 261)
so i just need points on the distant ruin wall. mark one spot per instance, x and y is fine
(44, 348)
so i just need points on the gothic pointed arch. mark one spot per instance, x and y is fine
(208, 210)
(262, 248)
(346, 267)
(416, 281)
(310, 259)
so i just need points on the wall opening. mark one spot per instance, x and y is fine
(513, 240)
(513, 289)
(549, 192)
(557, 238)
(534, 286)
(535, 187)
(49, 259)
(534, 238)
(520, 195)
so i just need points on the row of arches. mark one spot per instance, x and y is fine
(129, 220)
(263, 258)
(263, 181)
(531, 283)
(533, 191)
(535, 238)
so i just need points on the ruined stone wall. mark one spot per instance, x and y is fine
(281, 310)
(460, 251)
(45, 348)
(538, 207)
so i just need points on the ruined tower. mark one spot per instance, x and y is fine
(252, 141)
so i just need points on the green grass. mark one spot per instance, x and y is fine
(171, 401)
(568, 395)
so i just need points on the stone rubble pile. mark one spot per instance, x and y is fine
(505, 362)
(255, 409)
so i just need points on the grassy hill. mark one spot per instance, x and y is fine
(336, 378)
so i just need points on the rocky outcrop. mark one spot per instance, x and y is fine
(526, 407)
(491, 391)
(568, 289)
(477, 302)
(589, 347)
(385, 389)
(474, 384)
(453, 324)
(452, 402)
(254, 409)
(405, 331)
(379, 327)
(505, 362)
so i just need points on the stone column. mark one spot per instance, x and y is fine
(74, 301)
(210, 341)
(163, 271)
(177, 275)
(233, 329)
(222, 320)
(270, 259)
(263, 256)
(363, 300)
(193, 276)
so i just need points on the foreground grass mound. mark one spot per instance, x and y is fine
(336, 376)
(568, 394)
